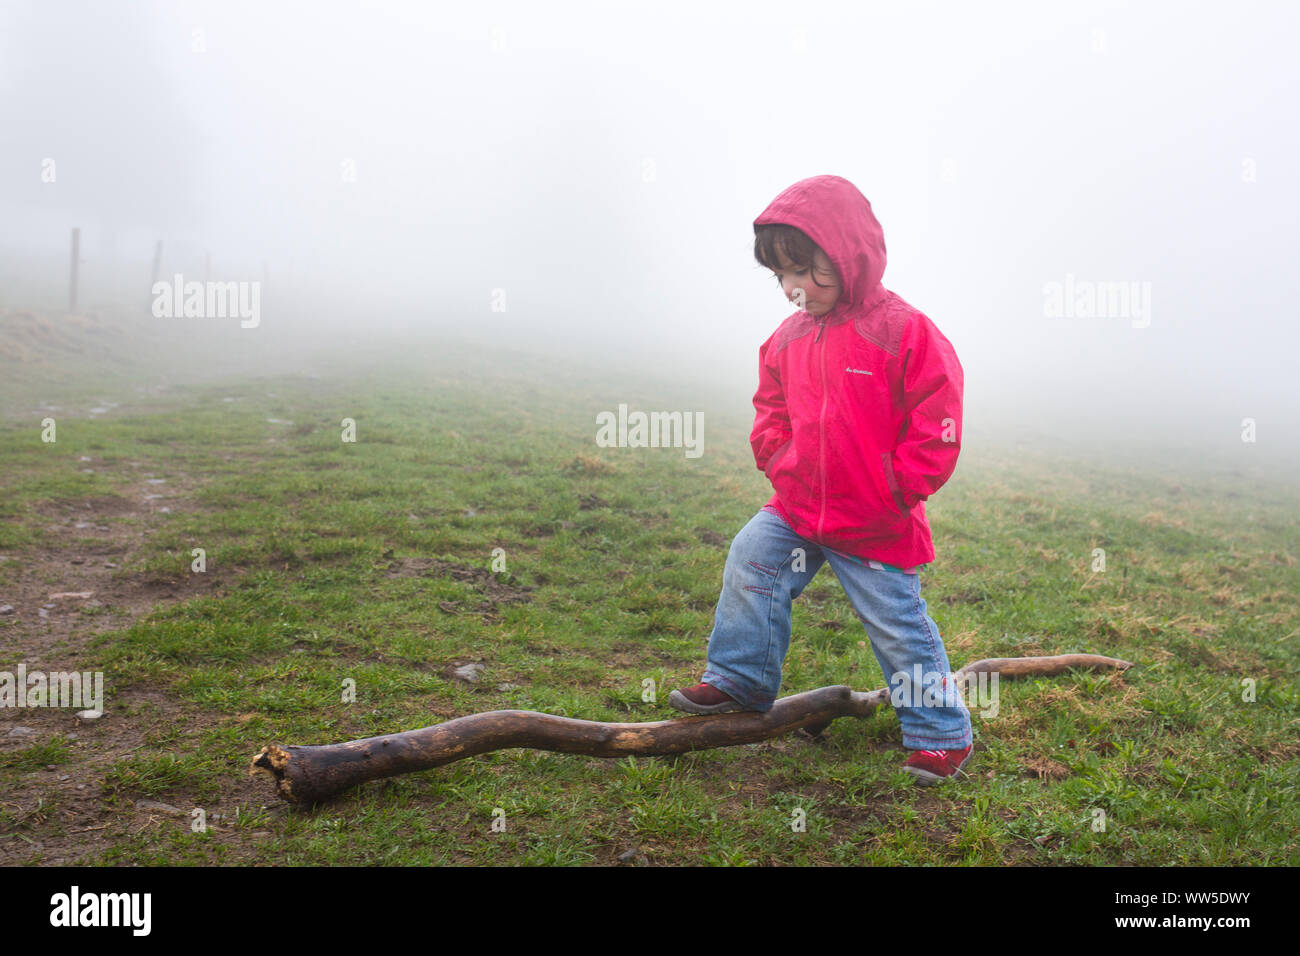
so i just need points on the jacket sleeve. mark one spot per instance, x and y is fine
(932, 400)
(771, 421)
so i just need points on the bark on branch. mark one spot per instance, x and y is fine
(307, 775)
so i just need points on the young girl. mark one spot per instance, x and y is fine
(859, 419)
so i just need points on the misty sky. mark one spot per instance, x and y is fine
(602, 164)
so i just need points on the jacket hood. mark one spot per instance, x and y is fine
(837, 217)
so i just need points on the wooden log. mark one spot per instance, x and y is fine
(312, 774)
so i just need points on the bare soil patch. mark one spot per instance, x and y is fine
(66, 592)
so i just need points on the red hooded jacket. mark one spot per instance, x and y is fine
(859, 410)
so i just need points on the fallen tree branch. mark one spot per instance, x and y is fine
(306, 775)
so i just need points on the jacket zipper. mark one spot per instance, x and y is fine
(821, 436)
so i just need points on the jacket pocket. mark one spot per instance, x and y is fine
(776, 456)
(891, 481)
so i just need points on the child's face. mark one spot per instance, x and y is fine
(799, 288)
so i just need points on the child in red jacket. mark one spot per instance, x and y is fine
(858, 422)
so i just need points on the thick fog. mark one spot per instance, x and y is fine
(583, 178)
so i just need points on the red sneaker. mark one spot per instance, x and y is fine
(704, 699)
(935, 766)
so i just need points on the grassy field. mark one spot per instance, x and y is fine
(369, 561)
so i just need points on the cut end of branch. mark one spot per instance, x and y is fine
(273, 761)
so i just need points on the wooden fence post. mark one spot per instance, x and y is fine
(72, 277)
(157, 262)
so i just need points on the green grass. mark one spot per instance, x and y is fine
(370, 562)
(52, 752)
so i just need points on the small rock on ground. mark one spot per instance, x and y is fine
(158, 807)
(469, 672)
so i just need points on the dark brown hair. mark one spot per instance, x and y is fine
(774, 240)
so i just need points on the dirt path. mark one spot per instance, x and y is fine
(59, 814)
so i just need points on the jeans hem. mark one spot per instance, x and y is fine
(936, 743)
(738, 692)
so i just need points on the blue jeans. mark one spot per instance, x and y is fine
(768, 566)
